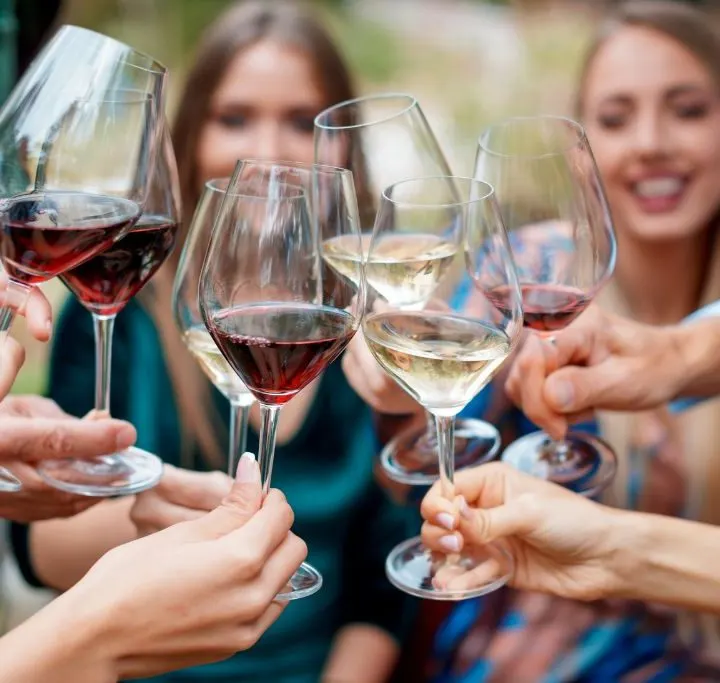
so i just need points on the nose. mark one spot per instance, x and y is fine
(650, 135)
(268, 143)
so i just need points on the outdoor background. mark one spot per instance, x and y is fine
(468, 62)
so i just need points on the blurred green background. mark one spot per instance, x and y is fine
(469, 63)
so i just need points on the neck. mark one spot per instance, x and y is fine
(661, 282)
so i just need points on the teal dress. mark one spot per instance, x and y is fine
(325, 471)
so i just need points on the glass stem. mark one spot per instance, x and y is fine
(103, 327)
(557, 452)
(14, 298)
(239, 416)
(268, 428)
(446, 453)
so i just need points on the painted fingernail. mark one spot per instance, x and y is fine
(247, 471)
(449, 543)
(445, 520)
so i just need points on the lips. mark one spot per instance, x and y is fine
(659, 194)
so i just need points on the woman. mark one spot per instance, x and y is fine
(262, 73)
(655, 131)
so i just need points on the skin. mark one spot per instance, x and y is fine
(566, 545)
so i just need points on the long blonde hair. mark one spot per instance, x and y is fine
(243, 25)
(697, 431)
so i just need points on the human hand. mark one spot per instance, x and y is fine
(561, 543)
(34, 429)
(601, 361)
(196, 592)
(180, 496)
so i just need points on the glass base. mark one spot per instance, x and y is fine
(477, 571)
(587, 466)
(128, 472)
(9, 483)
(412, 458)
(304, 582)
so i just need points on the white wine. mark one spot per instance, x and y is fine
(441, 360)
(405, 269)
(213, 363)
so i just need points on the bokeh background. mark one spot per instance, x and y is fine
(469, 62)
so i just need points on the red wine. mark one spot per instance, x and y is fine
(46, 233)
(546, 308)
(279, 348)
(105, 283)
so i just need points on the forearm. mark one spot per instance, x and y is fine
(63, 550)
(696, 353)
(668, 560)
(56, 645)
(361, 653)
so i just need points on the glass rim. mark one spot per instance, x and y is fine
(410, 99)
(296, 166)
(571, 123)
(213, 184)
(134, 96)
(488, 194)
(153, 66)
(300, 195)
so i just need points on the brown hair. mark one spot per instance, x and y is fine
(237, 29)
(696, 432)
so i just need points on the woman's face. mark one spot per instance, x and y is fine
(263, 108)
(652, 114)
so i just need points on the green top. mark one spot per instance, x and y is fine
(325, 471)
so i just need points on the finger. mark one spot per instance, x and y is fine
(482, 526)
(38, 313)
(241, 504)
(12, 356)
(441, 540)
(576, 389)
(43, 438)
(462, 580)
(269, 617)
(282, 564)
(158, 514)
(197, 490)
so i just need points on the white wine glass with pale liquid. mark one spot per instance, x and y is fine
(442, 353)
(383, 139)
(188, 318)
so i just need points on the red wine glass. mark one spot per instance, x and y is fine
(189, 320)
(561, 233)
(279, 315)
(383, 139)
(104, 285)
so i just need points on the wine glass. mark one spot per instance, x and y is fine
(383, 139)
(76, 66)
(561, 233)
(446, 352)
(276, 312)
(192, 327)
(104, 285)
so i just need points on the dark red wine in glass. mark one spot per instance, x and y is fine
(105, 283)
(277, 349)
(44, 234)
(546, 307)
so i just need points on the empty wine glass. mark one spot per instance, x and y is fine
(189, 320)
(561, 233)
(445, 353)
(276, 312)
(104, 285)
(383, 139)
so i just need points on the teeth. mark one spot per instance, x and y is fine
(659, 187)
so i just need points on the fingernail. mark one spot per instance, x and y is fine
(125, 437)
(445, 520)
(464, 508)
(450, 544)
(561, 392)
(247, 471)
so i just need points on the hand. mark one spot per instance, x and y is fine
(372, 383)
(38, 313)
(197, 592)
(601, 361)
(180, 496)
(33, 429)
(561, 543)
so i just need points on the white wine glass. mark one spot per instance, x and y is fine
(444, 354)
(383, 139)
(189, 320)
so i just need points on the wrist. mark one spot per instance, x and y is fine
(626, 539)
(693, 354)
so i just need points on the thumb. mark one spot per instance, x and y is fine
(573, 389)
(484, 525)
(243, 501)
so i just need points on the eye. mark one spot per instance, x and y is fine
(232, 120)
(612, 121)
(697, 110)
(303, 123)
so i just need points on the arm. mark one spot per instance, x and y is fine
(367, 647)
